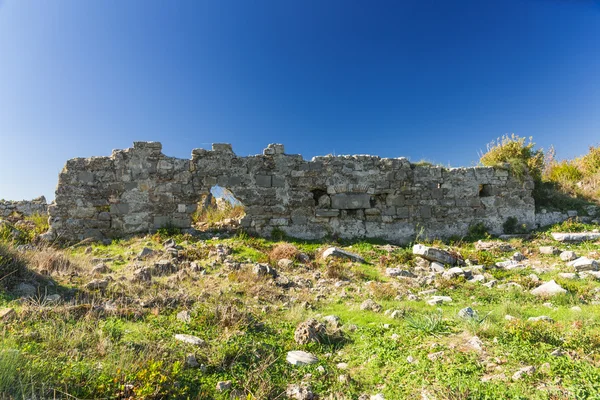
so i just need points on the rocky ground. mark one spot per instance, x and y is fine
(230, 316)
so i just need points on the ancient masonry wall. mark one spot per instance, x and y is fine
(140, 190)
(23, 208)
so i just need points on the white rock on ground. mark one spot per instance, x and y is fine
(568, 255)
(191, 339)
(575, 237)
(548, 289)
(299, 357)
(433, 254)
(337, 252)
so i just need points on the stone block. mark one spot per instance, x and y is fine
(263, 180)
(351, 201)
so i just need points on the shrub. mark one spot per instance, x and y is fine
(564, 173)
(515, 151)
(511, 226)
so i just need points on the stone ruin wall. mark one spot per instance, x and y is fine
(24, 208)
(139, 190)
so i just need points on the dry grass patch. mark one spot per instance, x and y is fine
(283, 250)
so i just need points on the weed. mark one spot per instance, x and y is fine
(428, 324)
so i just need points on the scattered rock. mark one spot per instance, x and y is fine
(436, 267)
(475, 343)
(540, 318)
(437, 300)
(528, 370)
(396, 314)
(143, 274)
(504, 247)
(584, 264)
(191, 339)
(435, 356)
(549, 250)
(518, 256)
(191, 361)
(52, 298)
(299, 357)
(332, 320)
(100, 269)
(285, 263)
(299, 392)
(575, 237)
(491, 283)
(568, 255)
(434, 254)
(548, 289)
(310, 331)
(184, 316)
(396, 272)
(263, 270)
(223, 386)
(145, 253)
(370, 305)
(454, 272)
(339, 253)
(557, 353)
(26, 289)
(96, 284)
(468, 313)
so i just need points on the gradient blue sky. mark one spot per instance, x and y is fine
(422, 79)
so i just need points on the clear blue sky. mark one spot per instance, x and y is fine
(422, 79)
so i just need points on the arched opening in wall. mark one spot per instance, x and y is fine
(219, 209)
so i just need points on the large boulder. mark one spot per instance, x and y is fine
(548, 289)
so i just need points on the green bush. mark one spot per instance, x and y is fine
(511, 226)
(515, 151)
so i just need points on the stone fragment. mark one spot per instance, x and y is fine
(285, 263)
(568, 255)
(190, 339)
(475, 343)
(468, 313)
(184, 316)
(397, 272)
(436, 356)
(557, 353)
(434, 254)
(540, 318)
(299, 357)
(549, 250)
(575, 237)
(518, 256)
(100, 269)
(370, 305)
(437, 300)
(584, 264)
(504, 247)
(436, 267)
(454, 272)
(96, 284)
(529, 370)
(332, 320)
(548, 289)
(339, 253)
(310, 331)
(223, 386)
(263, 270)
(145, 253)
(299, 392)
(191, 361)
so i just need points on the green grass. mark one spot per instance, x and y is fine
(75, 348)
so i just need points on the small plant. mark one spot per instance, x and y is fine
(167, 231)
(477, 231)
(283, 250)
(428, 324)
(572, 225)
(512, 226)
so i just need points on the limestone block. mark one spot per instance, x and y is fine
(350, 201)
